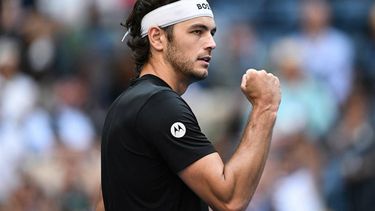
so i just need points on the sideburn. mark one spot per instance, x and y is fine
(169, 32)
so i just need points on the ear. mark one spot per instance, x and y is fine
(156, 37)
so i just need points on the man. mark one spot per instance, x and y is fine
(154, 155)
(327, 53)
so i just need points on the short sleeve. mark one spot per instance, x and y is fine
(167, 123)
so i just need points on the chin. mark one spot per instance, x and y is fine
(199, 75)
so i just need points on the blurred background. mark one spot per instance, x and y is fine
(62, 63)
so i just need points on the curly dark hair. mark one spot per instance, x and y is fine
(141, 46)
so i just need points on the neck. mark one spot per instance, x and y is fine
(315, 30)
(158, 67)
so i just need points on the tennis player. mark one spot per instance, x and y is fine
(154, 155)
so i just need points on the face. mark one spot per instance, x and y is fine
(8, 67)
(316, 14)
(191, 47)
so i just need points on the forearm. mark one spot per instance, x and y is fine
(244, 169)
(230, 186)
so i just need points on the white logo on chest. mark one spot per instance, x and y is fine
(178, 130)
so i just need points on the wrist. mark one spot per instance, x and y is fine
(265, 108)
(264, 111)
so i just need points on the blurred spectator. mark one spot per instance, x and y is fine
(350, 174)
(37, 32)
(74, 127)
(9, 17)
(73, 195)
(69, 178)
(297, 186)
(327, 53)
(307, 104)
(19, 92)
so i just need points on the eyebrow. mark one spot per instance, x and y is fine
(203, 27)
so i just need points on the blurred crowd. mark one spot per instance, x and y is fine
(62, 63)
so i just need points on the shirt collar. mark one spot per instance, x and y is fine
(154, 79)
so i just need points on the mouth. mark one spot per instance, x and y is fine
(206, 59)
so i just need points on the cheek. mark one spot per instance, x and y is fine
(186, 54)
(192, 52)
(186, 49)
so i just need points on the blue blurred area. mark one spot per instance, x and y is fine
(62, 63)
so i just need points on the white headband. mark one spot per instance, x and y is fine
(173, 13)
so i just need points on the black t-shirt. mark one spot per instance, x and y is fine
(150, 134)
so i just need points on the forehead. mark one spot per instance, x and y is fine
(206, 21)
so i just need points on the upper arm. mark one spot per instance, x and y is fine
(189, 154)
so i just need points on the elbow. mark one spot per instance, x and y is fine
(236, 206)
(232, 206)
(230, 199)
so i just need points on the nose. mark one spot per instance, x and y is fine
(210, 44)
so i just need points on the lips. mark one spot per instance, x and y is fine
(205, 58)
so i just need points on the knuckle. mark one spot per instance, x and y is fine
(250, 70)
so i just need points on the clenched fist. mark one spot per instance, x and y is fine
(262, 89)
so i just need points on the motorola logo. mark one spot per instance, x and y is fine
(178, 130)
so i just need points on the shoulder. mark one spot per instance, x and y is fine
(166, 104)
(141, 93)
(167, 98)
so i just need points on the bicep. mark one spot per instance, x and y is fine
(206, 178)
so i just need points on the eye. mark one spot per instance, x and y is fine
(197, 32)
